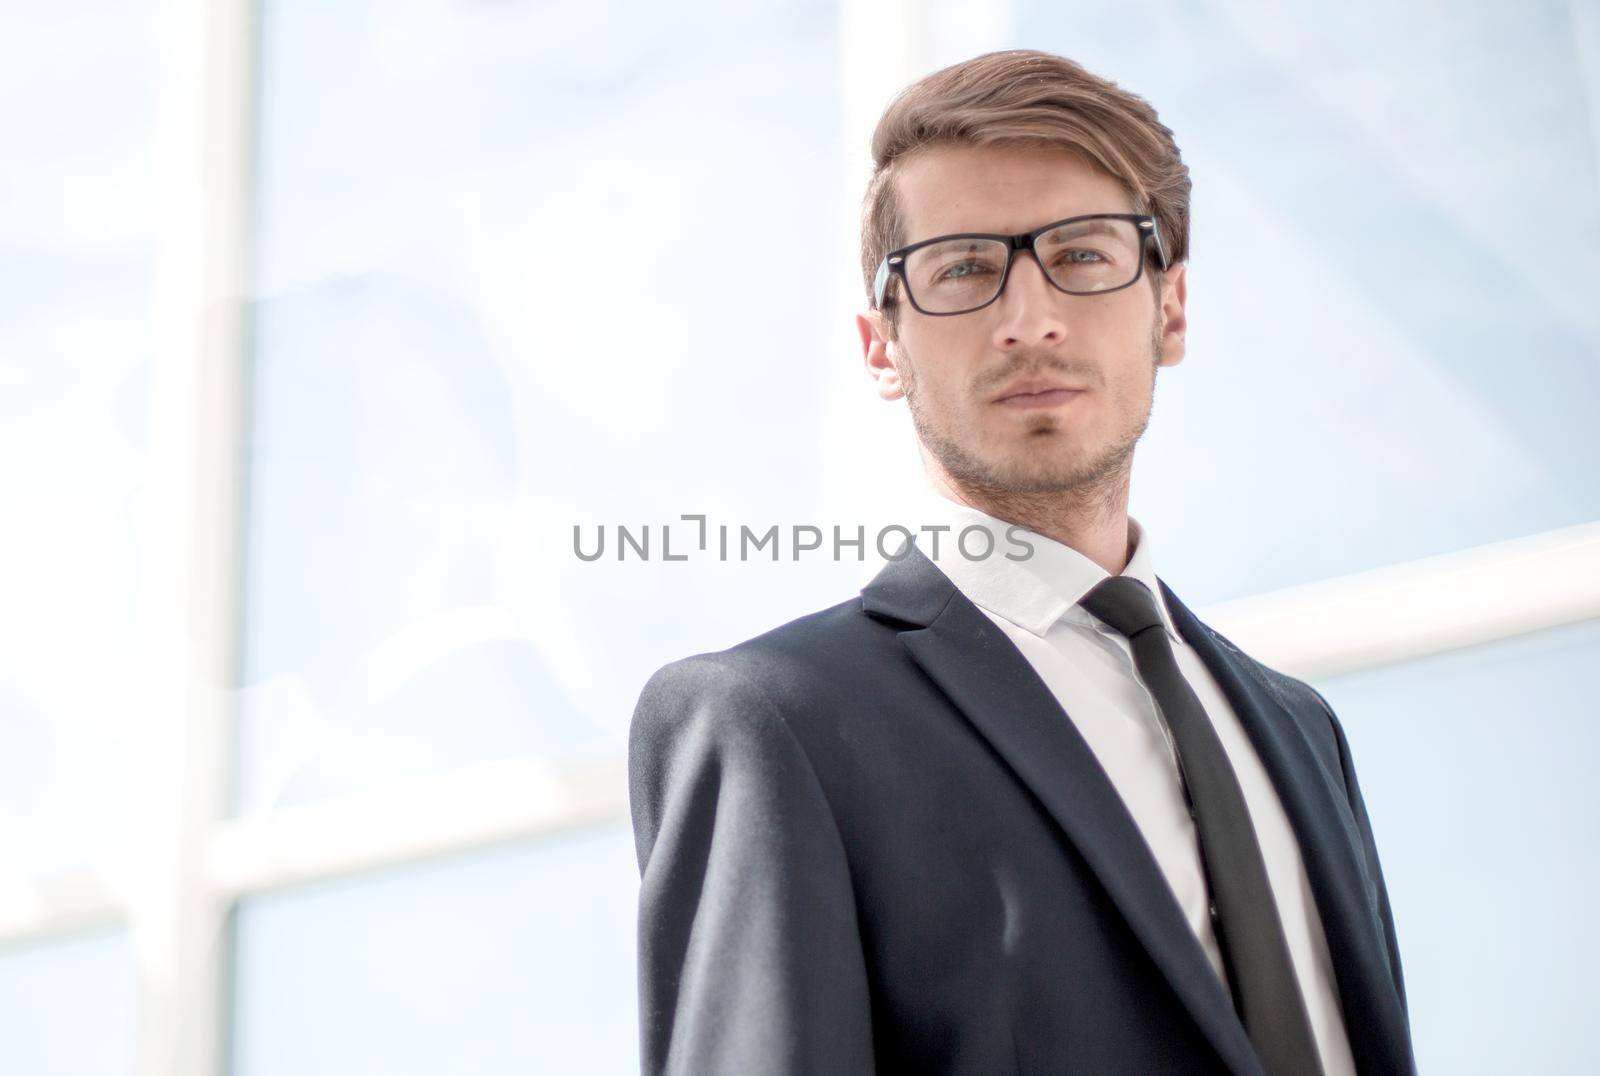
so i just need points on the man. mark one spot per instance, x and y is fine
(1013, 808)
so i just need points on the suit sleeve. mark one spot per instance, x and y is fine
(1359, 808)
(749, 954)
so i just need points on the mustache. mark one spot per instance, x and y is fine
(1034, 364)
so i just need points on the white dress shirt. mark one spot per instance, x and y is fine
(1089, 668)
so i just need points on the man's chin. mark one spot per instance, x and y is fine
(1022, 477)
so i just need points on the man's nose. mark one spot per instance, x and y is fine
(1030, 307)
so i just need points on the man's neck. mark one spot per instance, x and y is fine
(1093, 524)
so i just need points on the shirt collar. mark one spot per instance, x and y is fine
(1039, 589)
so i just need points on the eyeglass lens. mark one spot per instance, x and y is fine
(1083, 257)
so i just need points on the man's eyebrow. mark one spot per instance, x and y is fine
(1085, 227)
(1092, 226)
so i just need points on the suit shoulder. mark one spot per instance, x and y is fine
(1294, 695)
(1290, 692)
(1304, 703)
(749, 709)
(784, 668)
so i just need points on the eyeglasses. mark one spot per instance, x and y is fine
(957, 274)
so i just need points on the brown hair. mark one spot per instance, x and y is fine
(1023, 97)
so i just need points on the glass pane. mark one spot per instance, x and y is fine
(499, 269)
(1477, 768)
(67, 1006)
(1392, 326)
(513, 960)
(77, 89)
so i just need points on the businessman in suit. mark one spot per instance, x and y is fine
(1013, 808)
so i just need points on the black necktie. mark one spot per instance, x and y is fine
(1249, 932)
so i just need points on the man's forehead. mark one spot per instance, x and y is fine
(1006, 189)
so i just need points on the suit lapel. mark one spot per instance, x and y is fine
(1330, 848)
(995, 687)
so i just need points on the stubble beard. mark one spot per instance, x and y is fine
(1027, 481)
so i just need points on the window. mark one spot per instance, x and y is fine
(314, 719)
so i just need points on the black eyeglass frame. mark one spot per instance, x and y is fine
(894, 262)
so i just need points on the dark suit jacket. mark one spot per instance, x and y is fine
(870, 840)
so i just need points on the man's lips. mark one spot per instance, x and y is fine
(1050, 397)
(1037, 392)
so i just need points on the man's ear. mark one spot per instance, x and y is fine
(876, 348)
(1174, 322)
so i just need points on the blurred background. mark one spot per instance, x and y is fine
(324, 324)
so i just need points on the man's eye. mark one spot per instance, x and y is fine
(963, 269)
(1079, 256)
